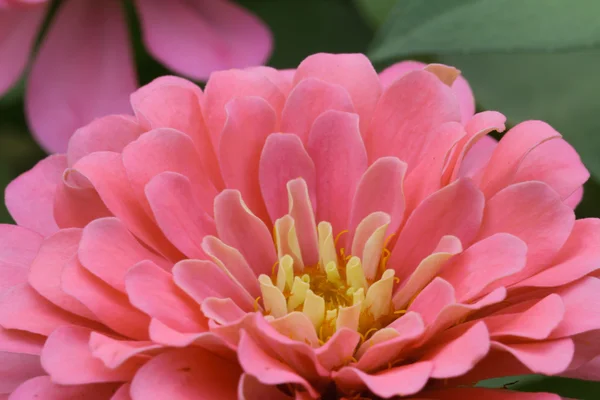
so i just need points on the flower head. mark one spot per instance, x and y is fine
(320, 233)
(86, 56)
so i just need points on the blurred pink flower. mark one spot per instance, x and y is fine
(87, 51)
(411, 255)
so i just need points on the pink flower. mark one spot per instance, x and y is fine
(84, 68)
(381, 245)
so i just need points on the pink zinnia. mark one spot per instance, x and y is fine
(84, 68)
(320, 233)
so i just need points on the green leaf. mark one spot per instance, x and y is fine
(5, 178)
(561, 89)
(375, 11)
(304, 27)
(572, 388)
(14, 94)
(590, 204)
(475, 26)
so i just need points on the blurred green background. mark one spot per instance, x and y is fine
(529, 59)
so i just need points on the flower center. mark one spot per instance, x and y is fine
(335, 293)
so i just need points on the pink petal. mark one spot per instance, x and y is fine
(535, 322)
(432, 300)
(589, 371)
(454, 313)
(108, 250)
(366, 245)
(231, 260)
(76, 201)
(178, 212)
(282, 78)
(192, 373)
(23, 309)
(15, 368)
(395, 71)
(45, 271)
(223, 311)
(574, 199)
(201, 279)
(460, 87)
(336, 147)
(249, 121)
(283, 159)
(297, 327)
(239, 228)
(485, 262)
(267, 370)
(297, 354)
(16, 341)
(250, 388)
(386, 175)
(301, 210)
(354, 72)
(557, 164)
(18, 30)
(309, 99)
(153, 291)
(94, 38)
(30, 197)
(69, 361)
(400, 381)
(208, 36)
(106, 172)
(549, 357)
(107, 133)
(454, 210)
(477, 156)
(115, 353)
(427, 176)
(578, 257)
(225, 85)
(460, 352)
(373, 357)
(110, 306)
(19, 248)
(581, 308)
(428, 269)
(533, 212)
(406, 116)
(172, 102)
(166, 149)
(162, 334)
(586, 350)
(122, 393)
(468, 150)
(42, 387)
(338, 348)
(514, 147)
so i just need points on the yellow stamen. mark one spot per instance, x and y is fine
(339, 235)
(335, 292)
(298, 294)
(355, 275)
(314, 308)
(285, 274)
(333, 274)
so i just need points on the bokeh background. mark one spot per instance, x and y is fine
(529, 59)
